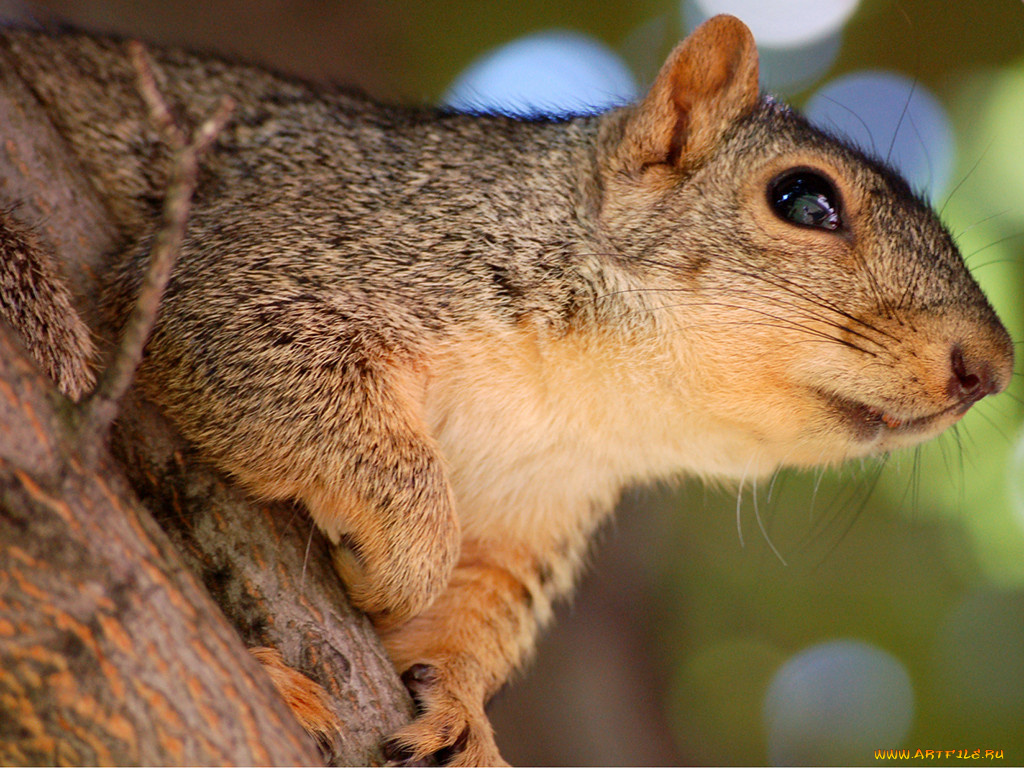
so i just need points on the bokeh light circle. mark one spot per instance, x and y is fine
(837, 702)
(893, 118)
(783, 23)
(553, 72)
(794, 68)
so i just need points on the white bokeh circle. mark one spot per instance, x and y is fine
(553, 72)
(837, 702)
(782, 22)
(893, 118)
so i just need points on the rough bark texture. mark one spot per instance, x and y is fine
(270, 572)
(111, 650)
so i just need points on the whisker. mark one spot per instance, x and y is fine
(924, 148)
(993, 262)
(771, 484)
(814, 493)
(783, 283)
(995, 425)
(865, 498)
(914, 485)
(832, 511)
(856, 115)
(820, 302)
(781, 322)
(965, 178)
(1007, 393)
(767, 300)
(978, 223)
(739, 501)
(960, 463)
(909, 289)
(993, 244)
(876, 289)
(899, 123)
(760, 524)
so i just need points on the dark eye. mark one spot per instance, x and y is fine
(805, 198)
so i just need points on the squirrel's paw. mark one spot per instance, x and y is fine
(308, 701)
(391, 589)
(451, 725)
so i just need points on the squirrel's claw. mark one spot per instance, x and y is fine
(451, 725)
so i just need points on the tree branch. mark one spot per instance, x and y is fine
(110, 652)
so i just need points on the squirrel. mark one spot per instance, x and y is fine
(455, 338)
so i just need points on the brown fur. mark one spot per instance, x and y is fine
(36, 303)
(307, 700)
(457, 338)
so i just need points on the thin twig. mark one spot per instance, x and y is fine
(100, 408)
(159, 111)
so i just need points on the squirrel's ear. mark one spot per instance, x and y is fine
(709, 81)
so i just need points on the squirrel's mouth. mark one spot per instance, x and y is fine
(871, 422)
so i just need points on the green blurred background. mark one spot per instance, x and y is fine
(684, 622)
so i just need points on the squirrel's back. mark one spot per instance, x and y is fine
(387, 197)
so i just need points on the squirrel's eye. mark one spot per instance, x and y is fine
(805, 198)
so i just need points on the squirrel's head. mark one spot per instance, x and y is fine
(815, 304)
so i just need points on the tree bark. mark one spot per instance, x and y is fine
(118, 646)
(109, 650)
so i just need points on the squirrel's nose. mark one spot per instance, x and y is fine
(971, 379)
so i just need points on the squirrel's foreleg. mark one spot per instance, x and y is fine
(454, 656)
(381, 494)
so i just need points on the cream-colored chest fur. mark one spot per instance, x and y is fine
(542, 434)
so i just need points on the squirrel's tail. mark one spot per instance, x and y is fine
(36, 303)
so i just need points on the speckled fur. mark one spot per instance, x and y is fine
(456, 338)
(36, 303)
